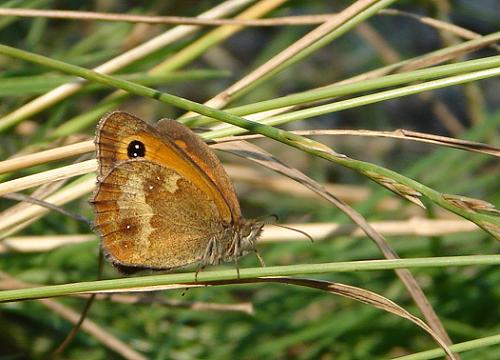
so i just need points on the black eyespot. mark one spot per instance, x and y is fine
(136, 149)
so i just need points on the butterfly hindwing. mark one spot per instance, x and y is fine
(149, 214)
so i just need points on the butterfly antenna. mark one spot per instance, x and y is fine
(268, 219)
(296, 230)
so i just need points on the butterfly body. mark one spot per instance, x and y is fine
(163, 200)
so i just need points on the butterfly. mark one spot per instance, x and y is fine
(163, 201)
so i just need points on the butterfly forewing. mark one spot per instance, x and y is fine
(116, 133)
(199, 152)
(112, 137)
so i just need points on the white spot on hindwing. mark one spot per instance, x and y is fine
(170, 184)
(133, 204)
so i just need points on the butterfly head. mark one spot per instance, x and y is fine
(249, 231)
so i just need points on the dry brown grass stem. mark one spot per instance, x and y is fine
(391, 56)
(169, 37)
(412, 227)
(167, 20)
(182, 20)
(42, 157)
(8, 282)
(44, 177)
(223, 98)
(31, 213)
(99, 333)
(95, 330)
(242, 307)
(41, 243)
(400, 134)
(438, 25)
(63, 152)
(272, 234)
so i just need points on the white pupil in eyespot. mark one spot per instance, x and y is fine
(136, 149)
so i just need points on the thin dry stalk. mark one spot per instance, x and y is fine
(223, 98)
(60, 153)
(33, 212)
(390, 56)
(438, 25)
(103, 336)
(23, 198)
(61, 92)
(41, 243)
(167, 20)
(318, 231)
(256, 154)
(434, 58)
(183, 20)
(42, 157)
(244, 307)
(9, 282)
(400, 134)
(44, 177)
(96, 331)
(412, 227)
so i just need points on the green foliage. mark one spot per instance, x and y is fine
(289, 321)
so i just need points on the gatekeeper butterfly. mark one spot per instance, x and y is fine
(163, 200)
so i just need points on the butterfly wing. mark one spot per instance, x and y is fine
(150, 216)
(204, 157)
(114, 133)
(118, 131)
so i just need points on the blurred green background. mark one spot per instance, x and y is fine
(289, 322)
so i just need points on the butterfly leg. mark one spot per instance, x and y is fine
(237, 267)
(236, 254)
(261, 260)
(209, 257)
(200, 268)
